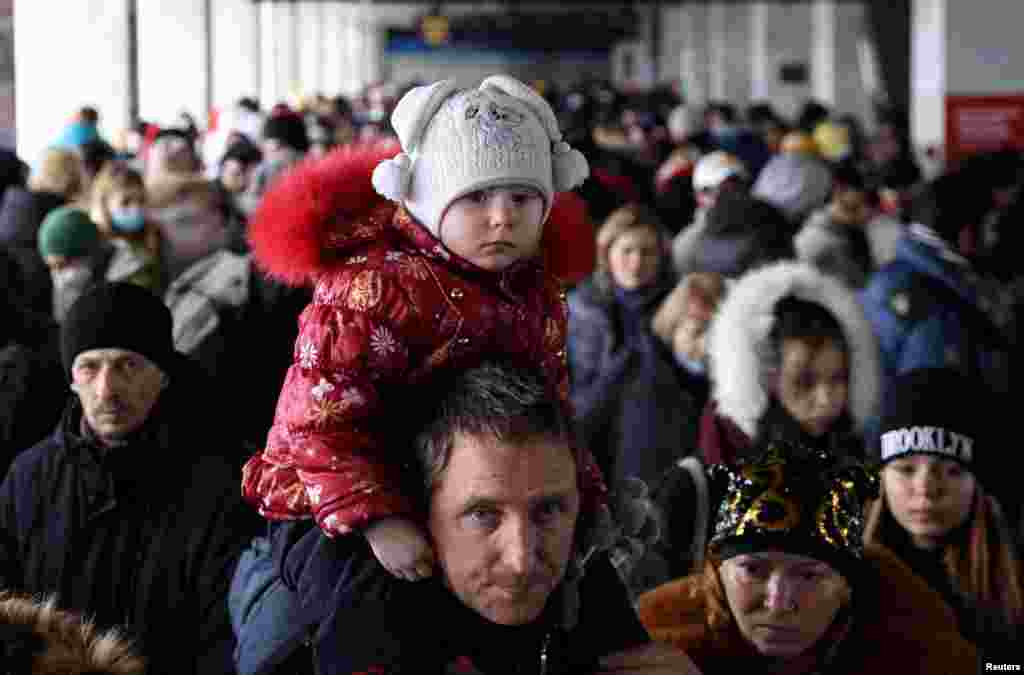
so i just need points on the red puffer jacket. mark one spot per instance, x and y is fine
(391, 307)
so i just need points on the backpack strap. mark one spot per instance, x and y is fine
(702, 509)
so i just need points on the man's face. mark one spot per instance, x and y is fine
(502, 519)
(118, 389)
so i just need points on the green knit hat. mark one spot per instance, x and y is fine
(68, 231)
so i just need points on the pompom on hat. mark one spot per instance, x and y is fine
(459, 141)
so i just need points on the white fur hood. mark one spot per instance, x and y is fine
(745, 318)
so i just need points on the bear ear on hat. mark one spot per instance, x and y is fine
(410, 118)
(569, 167)
(414, 112)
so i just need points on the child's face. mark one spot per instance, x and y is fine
(813, 383)
(633, 258)
(928, 496)
(125, 199)
(494, 228)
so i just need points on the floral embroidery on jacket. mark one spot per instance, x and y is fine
(321, 390)
(383, 342)
(366, 291)
(314, 492)
(309, 356)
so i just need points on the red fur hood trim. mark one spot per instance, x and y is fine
(289, 228)
(316, 198)
(569, 242)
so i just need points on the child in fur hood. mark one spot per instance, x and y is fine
(465, 259)
(793, 356)
(36, 638)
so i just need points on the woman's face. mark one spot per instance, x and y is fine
(928, 496)
(782, 603)
(120, 200)
(633, 258)
(813, 383)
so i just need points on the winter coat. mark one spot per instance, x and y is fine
(33, 390)
(143, 536)
(843, 251)
(227, 316)
(33, 387)
(986, 535)
(392, 307)
(739, 233)
(928, 313)
(795, 183)
(620, 388)
(899, 625)
(21, 214)
(375, 624)
(742, 323)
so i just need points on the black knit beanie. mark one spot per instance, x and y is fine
(119, 316)
(935, 411)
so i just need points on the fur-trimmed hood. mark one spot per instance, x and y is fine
(318, 212)
(37, 638)
(745, 318)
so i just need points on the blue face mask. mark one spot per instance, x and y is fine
(129, 220)
(693, 366)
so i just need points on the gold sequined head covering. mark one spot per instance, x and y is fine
(795, 500)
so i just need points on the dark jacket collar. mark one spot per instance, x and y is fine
(139, 467)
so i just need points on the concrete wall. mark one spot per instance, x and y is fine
(236, 50)
(60, 65)
(958, 50)
(7, 111)
(172, 59)
(275, 50)
(984, 49)
(928, 73)
(734, 51)
(783, 35)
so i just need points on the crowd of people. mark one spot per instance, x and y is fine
(508, 379)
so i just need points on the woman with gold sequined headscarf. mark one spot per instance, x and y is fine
(787, 586)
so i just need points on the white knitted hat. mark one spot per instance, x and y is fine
(457, 142)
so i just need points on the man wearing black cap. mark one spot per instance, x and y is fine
(129, 511)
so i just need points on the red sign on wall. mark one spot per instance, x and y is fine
(983, 123)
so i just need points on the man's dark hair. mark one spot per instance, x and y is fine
(249, 103)
(493, 400)
(95, 154)
(725, 111)
(848, 176)
(89, 114)
(952, 201)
